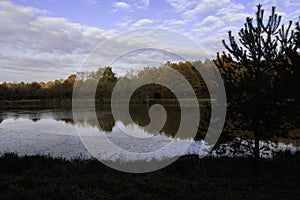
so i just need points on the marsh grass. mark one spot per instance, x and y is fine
(44, 177)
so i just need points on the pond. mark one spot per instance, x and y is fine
(55, 132)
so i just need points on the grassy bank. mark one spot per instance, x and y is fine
(40, 177)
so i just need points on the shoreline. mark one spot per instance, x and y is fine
(75, 149)
(67, 103)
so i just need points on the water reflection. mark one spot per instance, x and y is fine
(105, 120)
(67, 120)
(54, 132)
(36, 119)
(140, 115)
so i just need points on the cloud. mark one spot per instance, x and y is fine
(175, 23)
(146, 3)
(181, 5)
(142, 22)
(124, 24)
(220, 11)
(193, 8)
(35, 46)
(213, 44)
(38, 43)
(283, 7)
(131, 5)
(211, 20)
(205, 6)
(91, 2)
(237, 18)
(145, 47)
(23, 29)
(231, 8)
(122, 6)
(141, 4)
(207, 26)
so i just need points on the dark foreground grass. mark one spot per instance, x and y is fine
(42, 177)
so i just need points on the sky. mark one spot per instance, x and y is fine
(43, 40)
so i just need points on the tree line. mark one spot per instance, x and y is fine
(35, 90)
(106, 78)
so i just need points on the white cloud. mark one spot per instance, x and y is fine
(142, 22)
(34, 43)
(214, 44)
(145, 47)
(210, 20)
(146, 3)
(206, 6)
(91, 2)
(231, 9)
(131, 5)
(238, 18)
(182, 5)
(217, 10)
(141, 4)
(124, 24)
(289, 9)
(193, 8)
(209, 25)
(294, 16)
(233, 28)
(175, 23)
(277, 3)
(121, 6)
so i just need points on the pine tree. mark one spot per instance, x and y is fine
(265, 53)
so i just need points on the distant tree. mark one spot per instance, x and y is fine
(108, 75)
(254, 70)
(106, 83)
(70, 80)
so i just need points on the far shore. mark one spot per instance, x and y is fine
(67, 103)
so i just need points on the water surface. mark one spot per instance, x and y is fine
(54, 132)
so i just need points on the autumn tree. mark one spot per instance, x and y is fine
(254, 70)
(107, 81)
